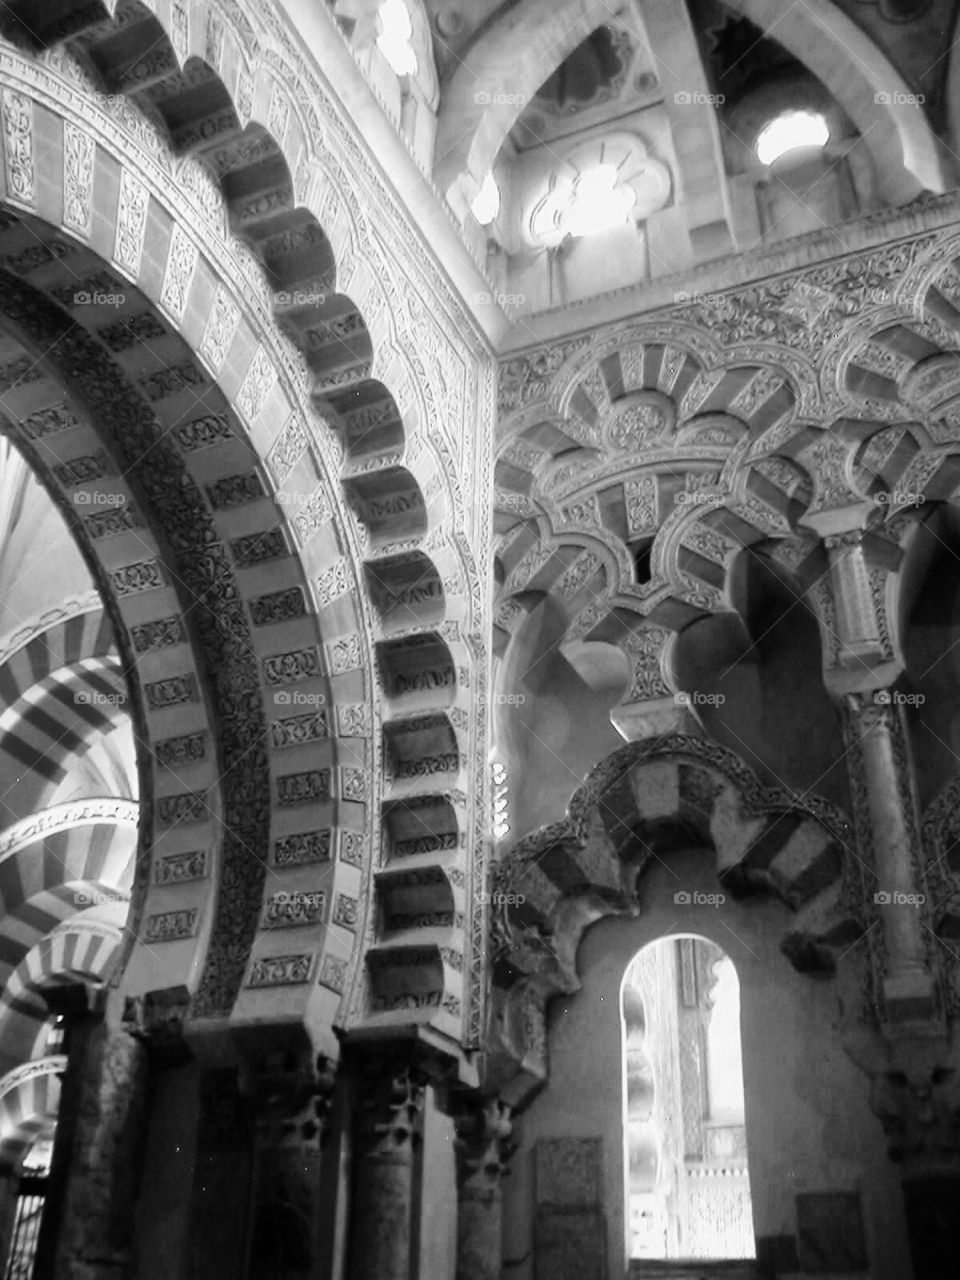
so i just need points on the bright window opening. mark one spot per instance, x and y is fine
(486, 204)
(790, 132)
(688, 1187)
(597, 202)
(396, 31)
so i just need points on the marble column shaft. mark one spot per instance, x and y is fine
(482, 1134)
(389, 1107)
(87, 1232)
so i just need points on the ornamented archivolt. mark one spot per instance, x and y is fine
(436, 373)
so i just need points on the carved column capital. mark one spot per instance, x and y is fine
(483, 1143)
(156, 1019)
(915, 1093)
(389, 1104)
(292, 1093)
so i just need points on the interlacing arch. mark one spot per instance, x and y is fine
(645, 801)
(159, 377)
(655, 442)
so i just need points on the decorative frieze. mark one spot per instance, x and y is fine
(161, 634)
(303, 788)
(312, 516)
(133, 579)
(278, 606)
(180, 868)
(257, 384)
(292, 667)
(204, 433)
(281, 971)
(234, 491)
(48, 422)
(302, 848)
(17, 112)
(352, 844)
(344, 655)
(78, 156)
(171, 381)
(181, 264)
(295, 731)
(183, 808)
(257, 548)
(332, 583)
(333, 973)
(110, 523)
(220, 327)
(288, 448)
(353, 784)
(170, 926)
(82, 470)
(294, 909)
(353, 720)
(171, 692)
(131, 222)
(184, 750)
(345, 911)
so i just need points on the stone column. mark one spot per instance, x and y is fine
(886, 802)
(389, 1100)
(483, 1130)
(87, 1231)
(857, 603)
(292, 1096)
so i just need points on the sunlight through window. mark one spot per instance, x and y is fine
(597, 202)
(789, 132)
(396, 29)
(486, 204)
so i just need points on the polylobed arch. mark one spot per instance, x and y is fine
(672, 792)
(262, 379)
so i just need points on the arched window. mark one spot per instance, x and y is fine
(396, 34)
(687, 1186)
(791, 131)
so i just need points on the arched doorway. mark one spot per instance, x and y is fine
(685, 1147)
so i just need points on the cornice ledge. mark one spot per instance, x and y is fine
(925, 214)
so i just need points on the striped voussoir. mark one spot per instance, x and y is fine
(77, 951)
(50, 724)
(29, 1101)
(45, 882)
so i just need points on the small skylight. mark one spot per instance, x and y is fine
(598, 203)
(396, 30)
(789, 132)
(486, 204)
